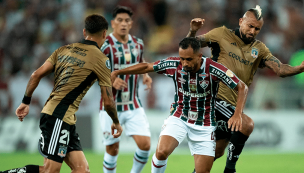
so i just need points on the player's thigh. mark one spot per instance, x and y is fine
(105, 124)
(247, 125)
(50, 166)
(203, 163)
(77, 162)
(173, 133)
(143, 142)
(201, 140)
(221, 145)
(136, 123)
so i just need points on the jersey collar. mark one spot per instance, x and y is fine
(116, 41)
(89, 42)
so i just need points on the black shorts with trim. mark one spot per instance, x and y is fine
(223, 112)
(57, 138)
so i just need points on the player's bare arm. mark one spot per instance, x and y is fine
(36, 76)
(283, 70)
(110, 107)
(140, 68)
(119, 84)
(195, 25)
(147, 80)
(235, 122)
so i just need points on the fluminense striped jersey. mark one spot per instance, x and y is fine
(122, 56)
(195, 93)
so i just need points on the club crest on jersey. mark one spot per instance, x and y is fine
(181, 80)
(203, 75)
(106, 135)
(108, 65)
(62, 150)
(204, 84)
(254, 52)
(192, 87)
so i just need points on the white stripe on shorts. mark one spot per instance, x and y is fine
(223, 112)
(55, 136)
(224, 108)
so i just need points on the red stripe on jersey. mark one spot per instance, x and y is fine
(136, 104)
(114, 50)
(191, 121)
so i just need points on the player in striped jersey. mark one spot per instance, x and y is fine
(124, 50)
(196, 80)
(239, 51)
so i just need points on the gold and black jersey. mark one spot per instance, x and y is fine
(243, 59)
(76, 67)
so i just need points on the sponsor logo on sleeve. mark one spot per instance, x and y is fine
(229, 73)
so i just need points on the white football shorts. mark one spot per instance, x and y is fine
(201, 139)
(135, 123)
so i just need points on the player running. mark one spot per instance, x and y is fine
(124, 50)
(239, 51)
(196, 80)
(76, 67)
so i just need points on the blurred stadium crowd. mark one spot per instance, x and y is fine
(30, 30)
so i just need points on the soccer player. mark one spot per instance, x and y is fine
(124, 50)
(196, 81)
(76, 67)
(239, 51)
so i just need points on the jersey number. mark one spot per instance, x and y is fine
(65, 134)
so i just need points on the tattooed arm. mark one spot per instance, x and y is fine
(195, 25)
(283, 70)
(109, 104)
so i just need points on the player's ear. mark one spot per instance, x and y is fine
(84, 33)
(104, 34)
(131, 23)
(240, 21)
(112, 24)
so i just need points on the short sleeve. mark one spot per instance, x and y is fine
(53, 58)
(166, 66)
(222, 73)
(103, 71)
(215, 35)
(266, 55)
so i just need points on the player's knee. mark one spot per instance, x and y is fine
(161, 154)
(144, 146)
(112, 149)
(219, 154)
(248, 126)
(82, 168)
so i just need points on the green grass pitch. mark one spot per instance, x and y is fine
(249, 163)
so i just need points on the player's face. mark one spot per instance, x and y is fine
(250, 28)
(190, 60)
(122, 24)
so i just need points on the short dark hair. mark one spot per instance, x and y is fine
(122, 9)
(190, 41)
(95, 23)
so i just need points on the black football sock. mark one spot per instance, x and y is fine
(25, 169)
(235, 148)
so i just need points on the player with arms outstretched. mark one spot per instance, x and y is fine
(76, 67)
(196, 81)
(239, 51)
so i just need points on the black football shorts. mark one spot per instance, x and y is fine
(223, 112)
(57, 138)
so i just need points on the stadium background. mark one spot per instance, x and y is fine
(30, 30)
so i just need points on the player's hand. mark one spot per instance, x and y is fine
(22, 111)
(119, 84)
(235, 123)
(118, 130)
(196, 24)
(147, 80)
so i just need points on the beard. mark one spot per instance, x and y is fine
(245, 39)
(188, 69)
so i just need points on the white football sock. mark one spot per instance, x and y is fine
(140, 159)
(109, 163)
(158, 166)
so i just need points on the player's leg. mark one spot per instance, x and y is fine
(26, 169)
(237, 143)
(137, 126)
(77, 162)
(173, 132)
(201, 141)
(75, 157)
(112, 144)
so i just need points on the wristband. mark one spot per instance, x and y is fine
(26, 100)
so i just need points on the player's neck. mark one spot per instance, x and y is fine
(121, 38)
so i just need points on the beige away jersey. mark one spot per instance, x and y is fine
(76, 67)
(243, 59)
